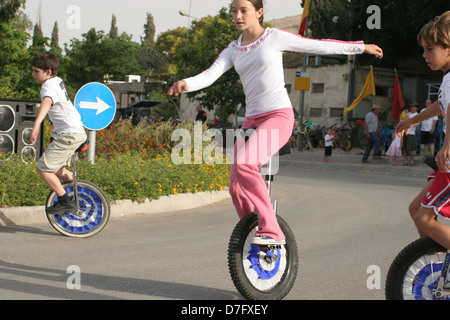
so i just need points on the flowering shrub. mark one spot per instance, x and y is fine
(132, 162)
(147, 140)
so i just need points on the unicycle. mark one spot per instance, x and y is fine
(420, 270)
(262, 272)
(93, 207)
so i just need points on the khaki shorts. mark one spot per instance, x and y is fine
(59, 151)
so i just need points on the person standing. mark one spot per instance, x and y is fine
(427, 131)
(409, 142)
(372, 133)
(329, 138)
(201, 115)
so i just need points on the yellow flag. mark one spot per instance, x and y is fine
(304, 22)
(369, 88)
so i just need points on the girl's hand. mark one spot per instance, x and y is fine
(373, 49)
(177, 88)
(403, 125)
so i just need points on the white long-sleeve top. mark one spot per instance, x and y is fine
(260, 66)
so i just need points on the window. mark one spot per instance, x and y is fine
(336, 112)
(315, 112)
(318, 87)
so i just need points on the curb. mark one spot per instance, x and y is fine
(352, 166)
(120, 208)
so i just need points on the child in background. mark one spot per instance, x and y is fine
(395, 149)
(329, 138)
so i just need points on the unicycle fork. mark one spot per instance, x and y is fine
(92, 205)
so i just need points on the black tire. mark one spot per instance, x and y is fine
(346, 144)
(415, 271)
(244, 262)
(90, 219)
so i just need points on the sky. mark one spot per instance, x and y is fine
(76, 17)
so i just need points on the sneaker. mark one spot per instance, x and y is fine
(262, 240)
(365, 161)
(61, 207)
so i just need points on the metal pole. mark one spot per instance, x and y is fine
(301, 107)
(91, 150)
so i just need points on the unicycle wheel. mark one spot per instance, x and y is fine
(92, 216)
(261, 273)
(415, 272)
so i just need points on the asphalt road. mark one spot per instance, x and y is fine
(349, 226)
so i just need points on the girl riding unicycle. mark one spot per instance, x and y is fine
(257, 58)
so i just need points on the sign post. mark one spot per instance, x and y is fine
(302, 83)
(97, 106)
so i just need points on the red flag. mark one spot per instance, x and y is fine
(397, 99)
(303, 24)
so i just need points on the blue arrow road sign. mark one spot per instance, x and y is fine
(96, 104)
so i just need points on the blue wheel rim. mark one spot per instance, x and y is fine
(91, 212)
(422, 284)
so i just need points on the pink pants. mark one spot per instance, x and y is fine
(247, 187)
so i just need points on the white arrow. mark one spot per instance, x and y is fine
(100, 105)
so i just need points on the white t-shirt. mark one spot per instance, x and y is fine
(260, 66)
(444, 96)
(412, 130)
(427, 124)
(328, 140)
(62, 113)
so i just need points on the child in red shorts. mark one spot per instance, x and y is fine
(434, 199)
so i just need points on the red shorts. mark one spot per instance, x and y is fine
(438, 195)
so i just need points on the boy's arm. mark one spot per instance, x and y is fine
(433, 110)
(43, 110)
(443, 156)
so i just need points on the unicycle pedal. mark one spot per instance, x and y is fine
(272, 247)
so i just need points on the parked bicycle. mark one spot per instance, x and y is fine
(303, 136)
(343, 138)
(93, 207)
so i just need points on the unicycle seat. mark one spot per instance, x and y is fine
(83, 147)
(431, 162)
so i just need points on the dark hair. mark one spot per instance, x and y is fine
(46, 61)
(258, 4)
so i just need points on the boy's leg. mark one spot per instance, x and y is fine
(414, 206)
(52, 180)
(64, 174)
(426, 223)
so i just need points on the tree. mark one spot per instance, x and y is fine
(114, 31)
(149, 32)
(54, 43)
(206, 40)
(170, 44)
(400, 21)
(14, 56)
(9, 9)
(96, 56)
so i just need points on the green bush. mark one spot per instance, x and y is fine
(132, 162)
